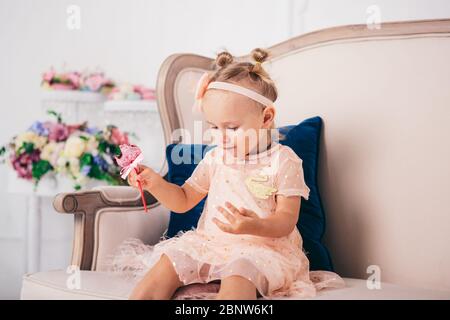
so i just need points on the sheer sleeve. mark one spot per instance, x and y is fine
(290, 178)
(201, 177)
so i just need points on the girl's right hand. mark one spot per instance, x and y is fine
(147, 176)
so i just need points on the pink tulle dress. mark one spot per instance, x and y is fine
(277, 266)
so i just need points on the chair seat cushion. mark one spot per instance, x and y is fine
(96, 285)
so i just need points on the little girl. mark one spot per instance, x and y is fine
(246, 237)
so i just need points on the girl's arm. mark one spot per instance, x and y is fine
(283, 221)
(175, 198)
(244, 221)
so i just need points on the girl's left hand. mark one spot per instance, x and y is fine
(242, 221)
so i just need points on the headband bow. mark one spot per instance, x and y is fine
(202, 85)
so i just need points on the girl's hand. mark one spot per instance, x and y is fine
(147, 176)
(242, 221)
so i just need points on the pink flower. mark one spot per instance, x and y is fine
(74, 127)
(49, 75)
(145, 93)
(62, 86)
(23, 163)
(129, 153)
(74, 78)
(117, 137)
(56, 131)
(95, 82)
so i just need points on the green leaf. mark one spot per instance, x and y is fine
(55, 114)
(102, 146)
(96, 172)
(40, 168)
(84, 138)
(112, 180)
(28, 147)
(115, 150)
(99, 136)
(86, 159)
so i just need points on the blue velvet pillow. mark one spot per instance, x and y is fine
(304, 139)
(182, 160)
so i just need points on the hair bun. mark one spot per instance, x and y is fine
(259, 55)
(224, 58)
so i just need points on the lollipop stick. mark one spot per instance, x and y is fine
(142, 193)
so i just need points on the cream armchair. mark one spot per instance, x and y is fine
(103, 218)
(383, 171)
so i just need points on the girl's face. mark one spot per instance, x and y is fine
(236, 122)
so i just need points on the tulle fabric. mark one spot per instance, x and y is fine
(276, 266)
(201, 279)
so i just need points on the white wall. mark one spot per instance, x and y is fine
(129, 40)
(321, 14)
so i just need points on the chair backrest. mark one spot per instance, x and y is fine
(384, 173)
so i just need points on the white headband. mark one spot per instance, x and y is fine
(241, 90)
(203, 84)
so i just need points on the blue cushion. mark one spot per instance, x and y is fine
(304, 139)
(182, 160)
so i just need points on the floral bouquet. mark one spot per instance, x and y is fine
(92, 82)
(75, 150)
(131, 92)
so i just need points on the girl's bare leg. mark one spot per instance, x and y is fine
(159, 283)
(236, 288)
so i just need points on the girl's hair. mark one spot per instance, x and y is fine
(248, 74)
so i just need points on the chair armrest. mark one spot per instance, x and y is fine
(100, 197)
(112, 227)
(85, 206)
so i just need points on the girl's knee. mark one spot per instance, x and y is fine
(237, 287)
(152, 290)
(142, 294)
(169, 271)
(159, 283)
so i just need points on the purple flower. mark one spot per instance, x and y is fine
(92, 130)
(39, 128)
(57, 131)
(98, 160)
(85, 170)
